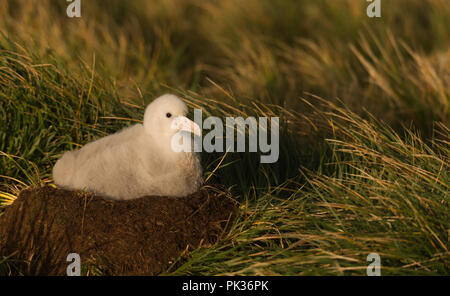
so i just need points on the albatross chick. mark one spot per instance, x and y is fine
(138, 160)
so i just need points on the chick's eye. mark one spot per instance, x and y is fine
(168, 115)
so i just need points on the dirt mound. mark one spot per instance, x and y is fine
(133, 237)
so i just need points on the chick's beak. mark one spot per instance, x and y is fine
(182, 123)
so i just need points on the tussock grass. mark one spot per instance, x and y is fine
(363, 107)
(386, 194)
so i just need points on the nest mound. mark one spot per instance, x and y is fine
(143, 236)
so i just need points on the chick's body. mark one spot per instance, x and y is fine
(134, 162)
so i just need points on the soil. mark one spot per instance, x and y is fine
(144, 236)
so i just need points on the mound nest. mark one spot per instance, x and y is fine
(134, 237)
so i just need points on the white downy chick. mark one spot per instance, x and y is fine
(138, 160)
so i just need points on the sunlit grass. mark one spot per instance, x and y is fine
(387, 194)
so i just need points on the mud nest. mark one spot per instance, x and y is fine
(134, 237)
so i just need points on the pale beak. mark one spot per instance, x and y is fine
(183, 123)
